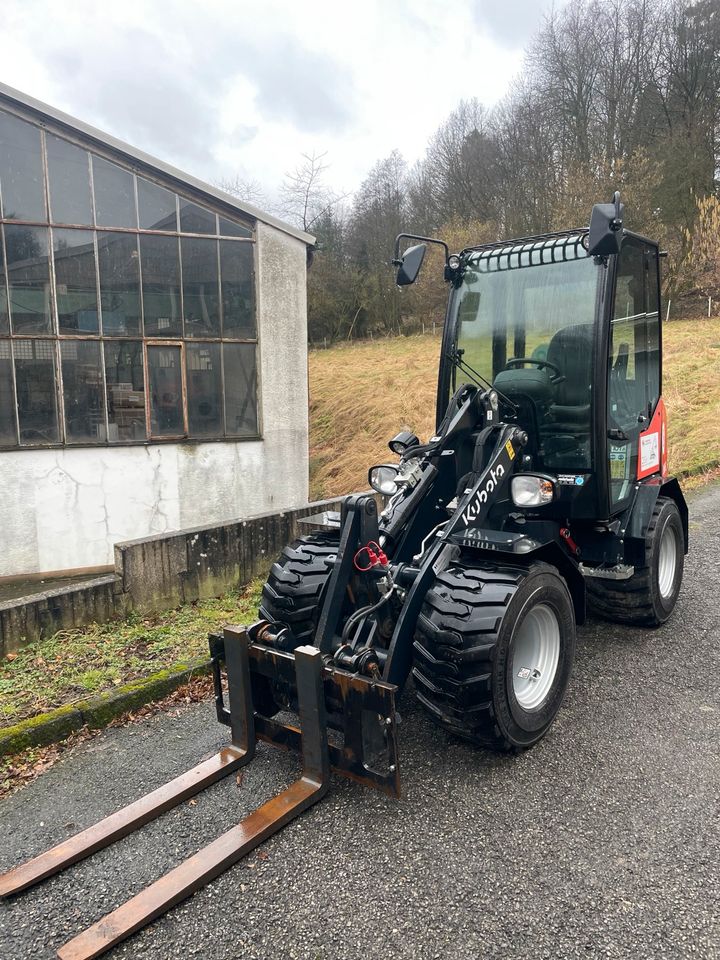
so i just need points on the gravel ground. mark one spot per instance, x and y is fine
(603, 841)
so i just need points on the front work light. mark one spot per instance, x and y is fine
(382, 478)
(402, 441)
(527, 490)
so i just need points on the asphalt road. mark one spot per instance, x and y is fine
(603, 841)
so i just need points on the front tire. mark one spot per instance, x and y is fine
(494, 650)
(649, 596)
(295, 588)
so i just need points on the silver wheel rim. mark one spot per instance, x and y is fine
(667, 562)
(536, 656)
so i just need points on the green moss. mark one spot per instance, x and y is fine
(40, 730)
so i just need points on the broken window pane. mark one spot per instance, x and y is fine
(201, 299)
(82, 391)
(237, 272)
(22, 184)
(125, 390)
(166, 400)
(114, 195)
(26, 249)
(161, 286)
(75, 281)
(8, 434)
(240, 390)
(156, 206)
(36, 391)
(196, 219)
(118, 262)
(69, 178)
(204, 390)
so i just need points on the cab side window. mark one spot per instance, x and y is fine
(634, 367)
(633, 363)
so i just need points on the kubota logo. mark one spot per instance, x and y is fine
(481, 497)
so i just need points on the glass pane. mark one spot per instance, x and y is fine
(8, 433)
(114, 195)
(237, 271)
(36, 393)
(119, 265)
(125, 390)
(21, 175)
(26, 249)
(543, 312)
(229, 228)
(75, 281)
(156, 206)
(69, 178)
(204, 390)
(82, 391)
(201, 295)
(165, 377)
(4, 311)
(240, 390)
(161, 286)
(196, 219)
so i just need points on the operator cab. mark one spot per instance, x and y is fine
(571, 343)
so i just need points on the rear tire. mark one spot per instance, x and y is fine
(494, 649)
(648, 598)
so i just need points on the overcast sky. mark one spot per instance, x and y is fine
(231, 86)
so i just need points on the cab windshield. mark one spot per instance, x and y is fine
(524, 320)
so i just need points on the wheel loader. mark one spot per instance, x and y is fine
(543, 491)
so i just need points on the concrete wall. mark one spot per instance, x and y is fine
(65, 509)
(158, 573)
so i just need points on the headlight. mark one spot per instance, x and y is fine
(529, 491)
(383, 478)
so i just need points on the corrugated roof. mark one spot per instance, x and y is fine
(44, 112)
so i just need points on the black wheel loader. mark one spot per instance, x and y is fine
(543, 491)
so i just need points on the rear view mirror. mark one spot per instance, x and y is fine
(605, 234)
(410, 265)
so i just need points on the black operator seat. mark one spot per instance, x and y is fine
(571, 351)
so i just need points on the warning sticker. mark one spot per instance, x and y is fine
(510, 450)
(649, 452)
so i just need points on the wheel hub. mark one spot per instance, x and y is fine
(667, 562)
(536, 657)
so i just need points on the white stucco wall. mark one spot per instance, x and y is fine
(65, 509)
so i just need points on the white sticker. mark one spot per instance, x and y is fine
(649, 452)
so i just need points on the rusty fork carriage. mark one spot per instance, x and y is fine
(362, 708)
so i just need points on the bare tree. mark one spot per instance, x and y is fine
(244, 188)
(305, 197)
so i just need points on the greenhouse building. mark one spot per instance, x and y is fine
(153, 365)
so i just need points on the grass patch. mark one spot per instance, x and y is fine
(72, 664)
(362, 394)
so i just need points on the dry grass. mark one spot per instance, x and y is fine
(361, 394)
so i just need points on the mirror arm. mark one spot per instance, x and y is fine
(397, 260)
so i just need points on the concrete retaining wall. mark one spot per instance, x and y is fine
(158, 573)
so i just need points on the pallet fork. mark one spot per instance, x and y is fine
(369, 755)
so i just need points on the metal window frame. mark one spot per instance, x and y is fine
(57, 338)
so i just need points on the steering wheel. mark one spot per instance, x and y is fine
(518, 361)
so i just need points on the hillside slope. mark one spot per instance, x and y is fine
(363, 393)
